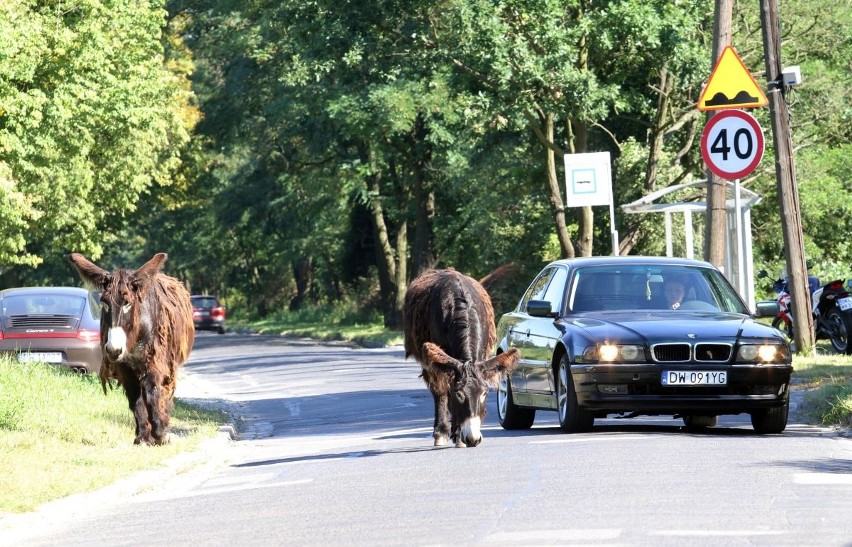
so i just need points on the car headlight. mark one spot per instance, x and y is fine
(610, 353)
(763, 353)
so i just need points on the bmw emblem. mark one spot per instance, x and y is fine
(692, 336)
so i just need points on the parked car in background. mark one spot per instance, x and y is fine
(641, 336)
(56, 325)
(208, 313)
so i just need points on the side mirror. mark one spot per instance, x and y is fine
(540, 308)
(767, 308)
(761, 274)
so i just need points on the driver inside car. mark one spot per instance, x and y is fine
(674, 291)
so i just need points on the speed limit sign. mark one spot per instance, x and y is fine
(732, 144)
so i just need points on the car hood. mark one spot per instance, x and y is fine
(654, 327)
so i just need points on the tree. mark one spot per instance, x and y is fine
(577, 74)
(91, 118)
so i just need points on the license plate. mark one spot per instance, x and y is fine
(42, 357)
(694, 378)
(845, 303)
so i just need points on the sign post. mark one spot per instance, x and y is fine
(732, 146)
(588, 181)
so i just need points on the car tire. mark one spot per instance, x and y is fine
(221, 330)
(510, 415)
(772, 420)
(699, 423)
(572, 418)
(840, 331)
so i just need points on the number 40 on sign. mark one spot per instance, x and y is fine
(732, 144)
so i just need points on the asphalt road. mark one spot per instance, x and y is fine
(333, 447)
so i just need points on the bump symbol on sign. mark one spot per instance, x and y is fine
(731, 85)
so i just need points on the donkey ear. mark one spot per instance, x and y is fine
(500, 365)
(435, 360)
(149, 270)
(90, 272)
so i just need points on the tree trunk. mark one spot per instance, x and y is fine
(393, 317)
(303, 275)
(578, 143)
(423, 256)
(385, 260)
(556, 203)
(658, 131)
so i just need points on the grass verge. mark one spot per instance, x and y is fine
(827, 377)
(321, 323)
(60, 435)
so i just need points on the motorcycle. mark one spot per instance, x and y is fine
(831, 308)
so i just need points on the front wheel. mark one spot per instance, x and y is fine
(510, 415)
(572, 418)
(773, 420)
(839, 328)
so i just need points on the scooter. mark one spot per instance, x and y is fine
(831, 308)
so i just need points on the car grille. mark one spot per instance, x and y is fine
(717, 353)
(672, 353)
(682, 352)
(42, 321)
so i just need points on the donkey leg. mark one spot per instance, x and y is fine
(158, 398)
(136, 401)
(441, 427)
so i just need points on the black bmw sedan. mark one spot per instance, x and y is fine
(633, 336)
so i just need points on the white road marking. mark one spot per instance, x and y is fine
(164, 496)
(823, 478)
(560, 536)
(717, 533)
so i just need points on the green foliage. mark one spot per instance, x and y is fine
(316, 125)
(89, 120)
(831, 403)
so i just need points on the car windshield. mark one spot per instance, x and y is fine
(42, 305)
(652, 287)
(204, 302)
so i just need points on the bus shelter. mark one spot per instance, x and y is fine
(690, 198)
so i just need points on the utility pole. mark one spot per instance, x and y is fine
(785, 179)
(715, 225)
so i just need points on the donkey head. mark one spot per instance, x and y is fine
(122, 297)
(469, 384)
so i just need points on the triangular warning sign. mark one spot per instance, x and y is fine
(731, 85)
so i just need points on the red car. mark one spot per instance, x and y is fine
(208, 313)
(56, 325)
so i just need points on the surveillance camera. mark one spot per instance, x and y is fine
(792, 75)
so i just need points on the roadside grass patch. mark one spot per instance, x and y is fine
(828, 380)
(342, 323)
(60, 435)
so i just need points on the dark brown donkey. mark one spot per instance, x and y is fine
(146, 335)
(449, 328)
